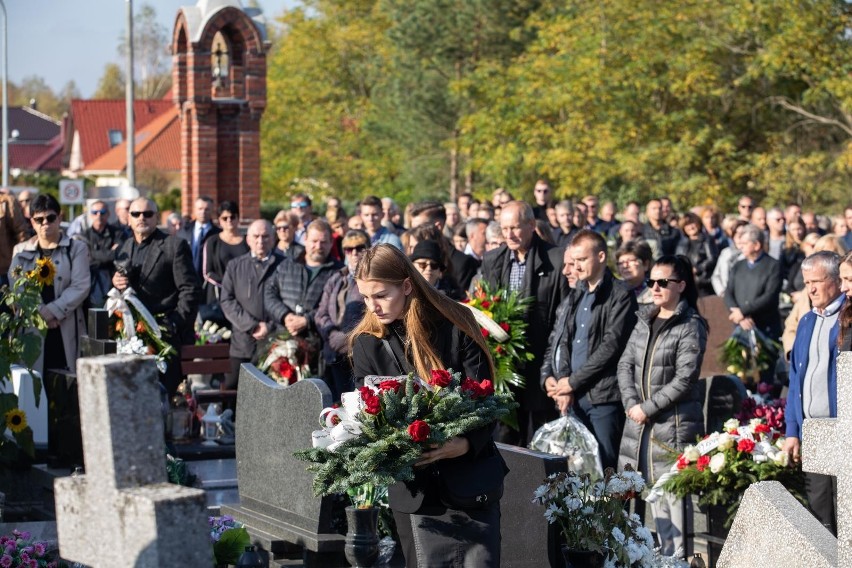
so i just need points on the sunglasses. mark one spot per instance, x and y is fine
(146, 214)
(299, 205)
(424, 264)
(744, 206)
(98, 212)
(662, 282)
(47, 219)
(282, 228)
(350, 250)
(227, 218)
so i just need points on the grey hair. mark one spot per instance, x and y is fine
(471, 224)
(493, 230)
(828, 260)
(566, 205)
(753, 234)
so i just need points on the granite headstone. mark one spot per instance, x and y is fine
(123, 512)
(277, 504)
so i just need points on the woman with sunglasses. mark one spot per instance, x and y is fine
(658, 377)
(219, 250)
(411, 327)
(285, 224)
(64, 291)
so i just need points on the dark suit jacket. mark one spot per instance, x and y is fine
(543, 281)
(167, 282)
(755, 292)
(187, 232)
(465, 268)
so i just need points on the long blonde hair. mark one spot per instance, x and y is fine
(424, 308)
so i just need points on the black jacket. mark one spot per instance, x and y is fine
(703, 254)
(543, 281)
(166, 282)
(613, 319)
(755, 291)
(242, 300)
(465, 268)
(459, 353)
(665, 238)
(291, 290)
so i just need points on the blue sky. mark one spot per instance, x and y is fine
(61, 40)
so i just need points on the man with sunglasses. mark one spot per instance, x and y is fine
(103, 239)
(302, 206)
(13, 230)
(159, 269)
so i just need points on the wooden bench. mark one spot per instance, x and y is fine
(210, 359)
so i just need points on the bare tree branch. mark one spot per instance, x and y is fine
(786, 103)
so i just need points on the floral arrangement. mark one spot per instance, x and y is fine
(136, 330)
(229, 539)
(382, 428)
(592, 516)
(210, 332)
(286, 358)
(770, 411)
(721, 467)
(20, 550)
(747, 354)
(22, 329)
(504, 329)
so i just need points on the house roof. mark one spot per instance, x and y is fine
(31, 125)
(94, 119)
(46, 156)
(157, 146)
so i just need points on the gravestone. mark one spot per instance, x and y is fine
(277, 504)
(528, 540)
(98, 341)
(122, 512)
(773, 529)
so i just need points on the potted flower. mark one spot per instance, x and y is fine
(595, 526)
(229, 539)
(362, 524)
(20, 549)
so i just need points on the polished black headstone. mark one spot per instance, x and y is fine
(98, 341)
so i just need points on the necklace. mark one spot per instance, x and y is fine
(403, 337)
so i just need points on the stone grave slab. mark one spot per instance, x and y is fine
(123, 512)
(528, 540)
(822, 443)
(277, 504)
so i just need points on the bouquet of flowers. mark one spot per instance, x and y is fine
(501, 315)
(720, 467)
(229, 539)
(19, 549)
(746, 354)
(286, 358)
(22, 330)
(382, 428)
(136, 329)
(770, 411)
(592, 517)
(210, 332)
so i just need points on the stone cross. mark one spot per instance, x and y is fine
(773, 529)
(123, 512)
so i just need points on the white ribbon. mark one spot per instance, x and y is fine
(484, 321)
(118, 302)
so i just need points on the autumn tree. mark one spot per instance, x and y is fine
(151, 56)
(111, 85)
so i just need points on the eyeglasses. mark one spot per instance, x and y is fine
(628, 261)
(424, 264)
(146, 214)
(46, 220)
(662, 282)
(98, 212)
(356, 249)
(299, 205)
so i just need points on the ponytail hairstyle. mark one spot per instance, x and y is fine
(846, 312)
(425, 308)
(682, 269)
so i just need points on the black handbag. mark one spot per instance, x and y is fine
(466, 484)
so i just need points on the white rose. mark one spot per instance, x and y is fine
(726, 442)
(753, 423)
(691, 454)
(717, 462)
(731, 424)
(781, 458)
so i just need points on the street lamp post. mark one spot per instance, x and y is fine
(5, 98)
(131, 130)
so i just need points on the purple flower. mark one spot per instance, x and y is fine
(40, 548)
(32, 564)
(6, 561)
(25, 557)
(25, 535)
(11, 548)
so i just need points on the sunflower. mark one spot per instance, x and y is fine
(16, 420)
(43, 272)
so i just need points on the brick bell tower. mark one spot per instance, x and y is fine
(219, 85)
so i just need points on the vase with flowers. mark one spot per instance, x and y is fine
(596, 528)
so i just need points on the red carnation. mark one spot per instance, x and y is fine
(419, 431)
(485, 333)
(682, 462)
(486, 304)
(285, 370)
(761, 429)
(487, 387)
(440, 378)
(702, 463)
(391, 384)
(504, 326)
(745, 445)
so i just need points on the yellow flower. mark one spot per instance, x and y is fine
(16, 420)
(44, 271)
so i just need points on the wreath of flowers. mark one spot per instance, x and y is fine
(136, 330)
(286, 358)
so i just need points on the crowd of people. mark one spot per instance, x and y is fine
(614, 324)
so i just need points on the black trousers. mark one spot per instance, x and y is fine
(821, 492)
(606, 422)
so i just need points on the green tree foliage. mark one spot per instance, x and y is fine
(111, 85)
(626, 99)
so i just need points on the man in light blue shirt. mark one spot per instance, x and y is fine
(371, 216)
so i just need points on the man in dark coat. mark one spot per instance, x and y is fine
(242, 296)
(198, 231)
(293, 293)
(580, 368)
(662, 237)
(159, 269)
(754, 286)
(103, 240)
(527, 263)
(434, 213)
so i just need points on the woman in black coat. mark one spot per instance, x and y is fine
(701, 250)
(411, 327)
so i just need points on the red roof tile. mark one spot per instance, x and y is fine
(93, 119)
(157, 146)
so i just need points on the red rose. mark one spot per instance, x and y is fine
(745, 445)
(419, 431)
(284, 369)
(470, 386)
(485, 333)
(504, 326)
(391, 384)
(372, 403)
(486, 387)
(761, 429)
(440, 378)
(682, 463)
(703, 462)
(486, 304)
